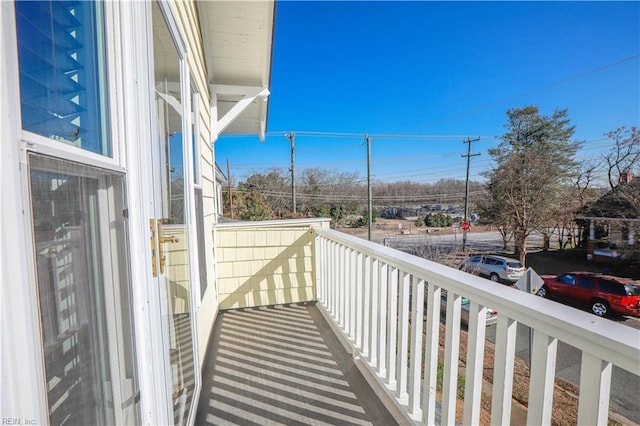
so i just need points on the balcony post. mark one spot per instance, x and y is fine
(475, 365)
(374, 318)
(392, 326)
(505, 349)
(381, 365)
(359, 302)
(415, 362)
(403, 337)
(451, 354)
(342, 287)
(352, 293)
(366, 305)
(431, 354)
(542, 375)
(595, 387)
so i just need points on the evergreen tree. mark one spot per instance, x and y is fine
(533, 166)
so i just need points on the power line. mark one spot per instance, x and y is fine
(357, 135)
(396, 198)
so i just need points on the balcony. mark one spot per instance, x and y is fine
(343, 322)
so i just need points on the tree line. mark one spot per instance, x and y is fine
(338, 195)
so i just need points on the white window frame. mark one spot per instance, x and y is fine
(30, 142)
(33, 142)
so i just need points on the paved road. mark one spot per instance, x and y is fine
(482, 241)
(625, 387)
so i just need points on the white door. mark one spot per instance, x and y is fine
(172, 224)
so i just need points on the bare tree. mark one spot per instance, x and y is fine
(625, 154)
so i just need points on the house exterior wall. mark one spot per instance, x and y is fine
(265, 263)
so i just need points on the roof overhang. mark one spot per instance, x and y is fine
(238, 44)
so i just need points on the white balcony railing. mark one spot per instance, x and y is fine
(375, 296)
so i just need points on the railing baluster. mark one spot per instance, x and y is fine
(335, 284)
(595, 387)
(341, 285)
(505, 348)
(327, 275)
(403, 337)
(415, 366)
(542, 374)
(392, 326)
(475, 365)
(431, 354)
(381, 366)
(347, 290)
(451, 362)
(366, 313)
(352, 294)
(374, 312)
(359, 300)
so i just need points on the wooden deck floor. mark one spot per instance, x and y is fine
(283, 365)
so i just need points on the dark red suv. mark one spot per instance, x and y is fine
(603, 294)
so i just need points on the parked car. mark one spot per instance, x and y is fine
(603, 294)
(496, 268)
(492, 316)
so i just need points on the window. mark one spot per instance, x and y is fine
(585, 282)
(567, 279)
(63, 72)
(612, 287)
(632, 290)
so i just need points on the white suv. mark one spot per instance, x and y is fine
(497, 268)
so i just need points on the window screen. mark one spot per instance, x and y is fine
(84, 293)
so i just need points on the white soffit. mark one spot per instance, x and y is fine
(237, 38)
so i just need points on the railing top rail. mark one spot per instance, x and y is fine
(607, 339)
(274, 223)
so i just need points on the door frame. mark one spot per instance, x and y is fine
(160, 344)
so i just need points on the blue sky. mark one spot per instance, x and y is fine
(438, 72)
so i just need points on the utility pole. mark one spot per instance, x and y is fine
(466, 189)
(229, 189)
(369, 201)
(292, 138)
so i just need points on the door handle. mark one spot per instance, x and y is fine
(169, 239)
(162, 258)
